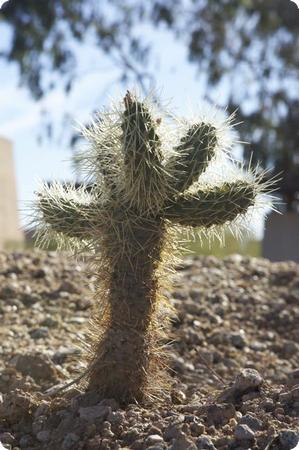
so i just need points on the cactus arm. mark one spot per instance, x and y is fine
(103, 159)
(216, 206)
(192, 156)
(67, 214)
(144, 173)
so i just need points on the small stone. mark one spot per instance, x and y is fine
(69, 441)
(252, 422)
(178, 397)
(288, 439)
(68, 286)
(197, 429)
(182, 443)
(172, 432)
(248, 379)
(63, 354)
(155, 447)
(43, 436)
(268, 405)
(39, 333)
(293, 378)
(7, 438)
(77, 320)
(244, 433)
(38, 366)
(26, 440)
(94, 412)
(238, 339)
(154, 439)
(205, 443)
(49, 322)
(38, 424)
(220, 414)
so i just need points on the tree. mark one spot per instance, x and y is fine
(247, 47)
(146, 184)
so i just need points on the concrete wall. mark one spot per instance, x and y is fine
(281, 240)
(9, 222)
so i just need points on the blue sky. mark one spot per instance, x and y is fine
(20, 117)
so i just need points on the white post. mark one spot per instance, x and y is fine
(10, 232)
(281, 239)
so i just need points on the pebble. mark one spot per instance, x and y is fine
(238, 340)
(7, 438)
(204, 443)
(43, 436)
(288, 439)
(244, 433)
(248, 379)
(70, 441)
(220, 414)
(39, 333)
(38, 366)
(91, 413)
(182, 443)
(252, 422)
(154, 439)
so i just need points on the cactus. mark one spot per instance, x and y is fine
(145, 183)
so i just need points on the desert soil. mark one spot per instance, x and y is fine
(234, 359)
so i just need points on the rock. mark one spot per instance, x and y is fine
(238, 339)
(182, 443)
(68, 286)
(204, 443)
(63, 354)
(39, 333)
(91, 413)
(252, 422)
(38, 424)
(69, 442)
(243, 433)
(43, 436)
(30, 299)
(17, 405)
(288, 439)
(155, 447)
(220, 414)
(154, 439)
(293, 378)
(26, 441)
(7, 438)
(197, 429)
(247, 380)
(49, 322)
(77, 320)
(38, 366)
(173, 431)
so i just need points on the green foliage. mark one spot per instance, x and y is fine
(198, 247)
(128, 221)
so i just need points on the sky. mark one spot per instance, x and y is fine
(178, 83)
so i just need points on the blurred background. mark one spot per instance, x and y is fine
(62, 60)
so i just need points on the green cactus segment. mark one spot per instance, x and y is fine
(68, 216)
(102, 160)
(193, 154)
(216, 206)
(142, 153)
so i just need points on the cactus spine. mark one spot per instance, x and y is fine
(140, 190)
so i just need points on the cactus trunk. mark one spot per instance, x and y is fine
(126, 364)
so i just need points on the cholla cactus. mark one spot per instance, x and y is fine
(144, 182)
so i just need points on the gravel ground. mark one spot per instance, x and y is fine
(234, 360)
